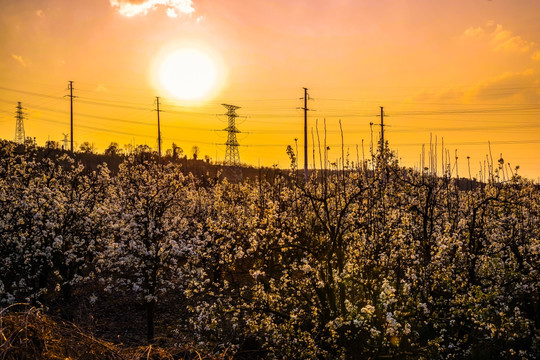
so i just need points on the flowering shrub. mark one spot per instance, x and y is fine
(144, 229)
(359, 264)
(48, 227)
(355, 263)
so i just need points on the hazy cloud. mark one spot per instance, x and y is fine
(20, 60)
(500, 39)
(536, 56)
(513, 87)
(140, 7)
(40, 13)
(516, 85)
(102, 88)
(443, 96)
(473, 32)
(505, 40)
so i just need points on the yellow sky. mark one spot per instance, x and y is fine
(468, 71)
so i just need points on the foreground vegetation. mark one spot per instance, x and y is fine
(364, 261)
(28, 334)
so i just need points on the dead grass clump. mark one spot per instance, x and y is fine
(29, 334)
(26, 334)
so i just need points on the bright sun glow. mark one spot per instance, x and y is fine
(188, 74)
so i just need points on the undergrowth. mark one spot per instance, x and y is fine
(27, 333)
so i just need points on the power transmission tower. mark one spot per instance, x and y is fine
(305, 108)
(158, 126)
(232, 155)
(70, 88)
(65, 141)
(19, 124)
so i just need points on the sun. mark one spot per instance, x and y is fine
(188, 74)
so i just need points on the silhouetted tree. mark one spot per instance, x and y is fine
(195, 152)
(113, 149)
(51, 144)
(177, 151)
(87, 147)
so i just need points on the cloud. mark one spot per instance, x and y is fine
(171, 13)
(521, 86)
(102, 88)
(20, 60)
(536, 56)
(443, 96)
(505, 40)
(131, 8)
(473, 32)
(512, 87)
(500, 39)
(40, 13)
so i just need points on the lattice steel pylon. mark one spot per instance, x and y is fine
(65, 141)
(232, 155)
(19, 124)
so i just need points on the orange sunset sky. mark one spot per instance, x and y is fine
(467, 71)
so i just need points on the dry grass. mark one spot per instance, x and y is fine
(26, 333)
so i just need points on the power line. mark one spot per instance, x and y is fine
(511, 108)
(103, 130)
(282, 114)
(99, 117)
(399, 129)
(29, 93)
(99, 103)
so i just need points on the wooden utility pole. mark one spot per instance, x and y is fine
(158, 126)
(305, 108)
(70, 88)
(382, 130)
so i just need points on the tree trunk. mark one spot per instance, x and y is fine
(150, 309)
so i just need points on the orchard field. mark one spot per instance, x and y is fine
(363, 261)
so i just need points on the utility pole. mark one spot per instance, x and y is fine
(19, 125)
(158, 126)
(382, 130)
(381, 139)
(305, 108)
(70, 88)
